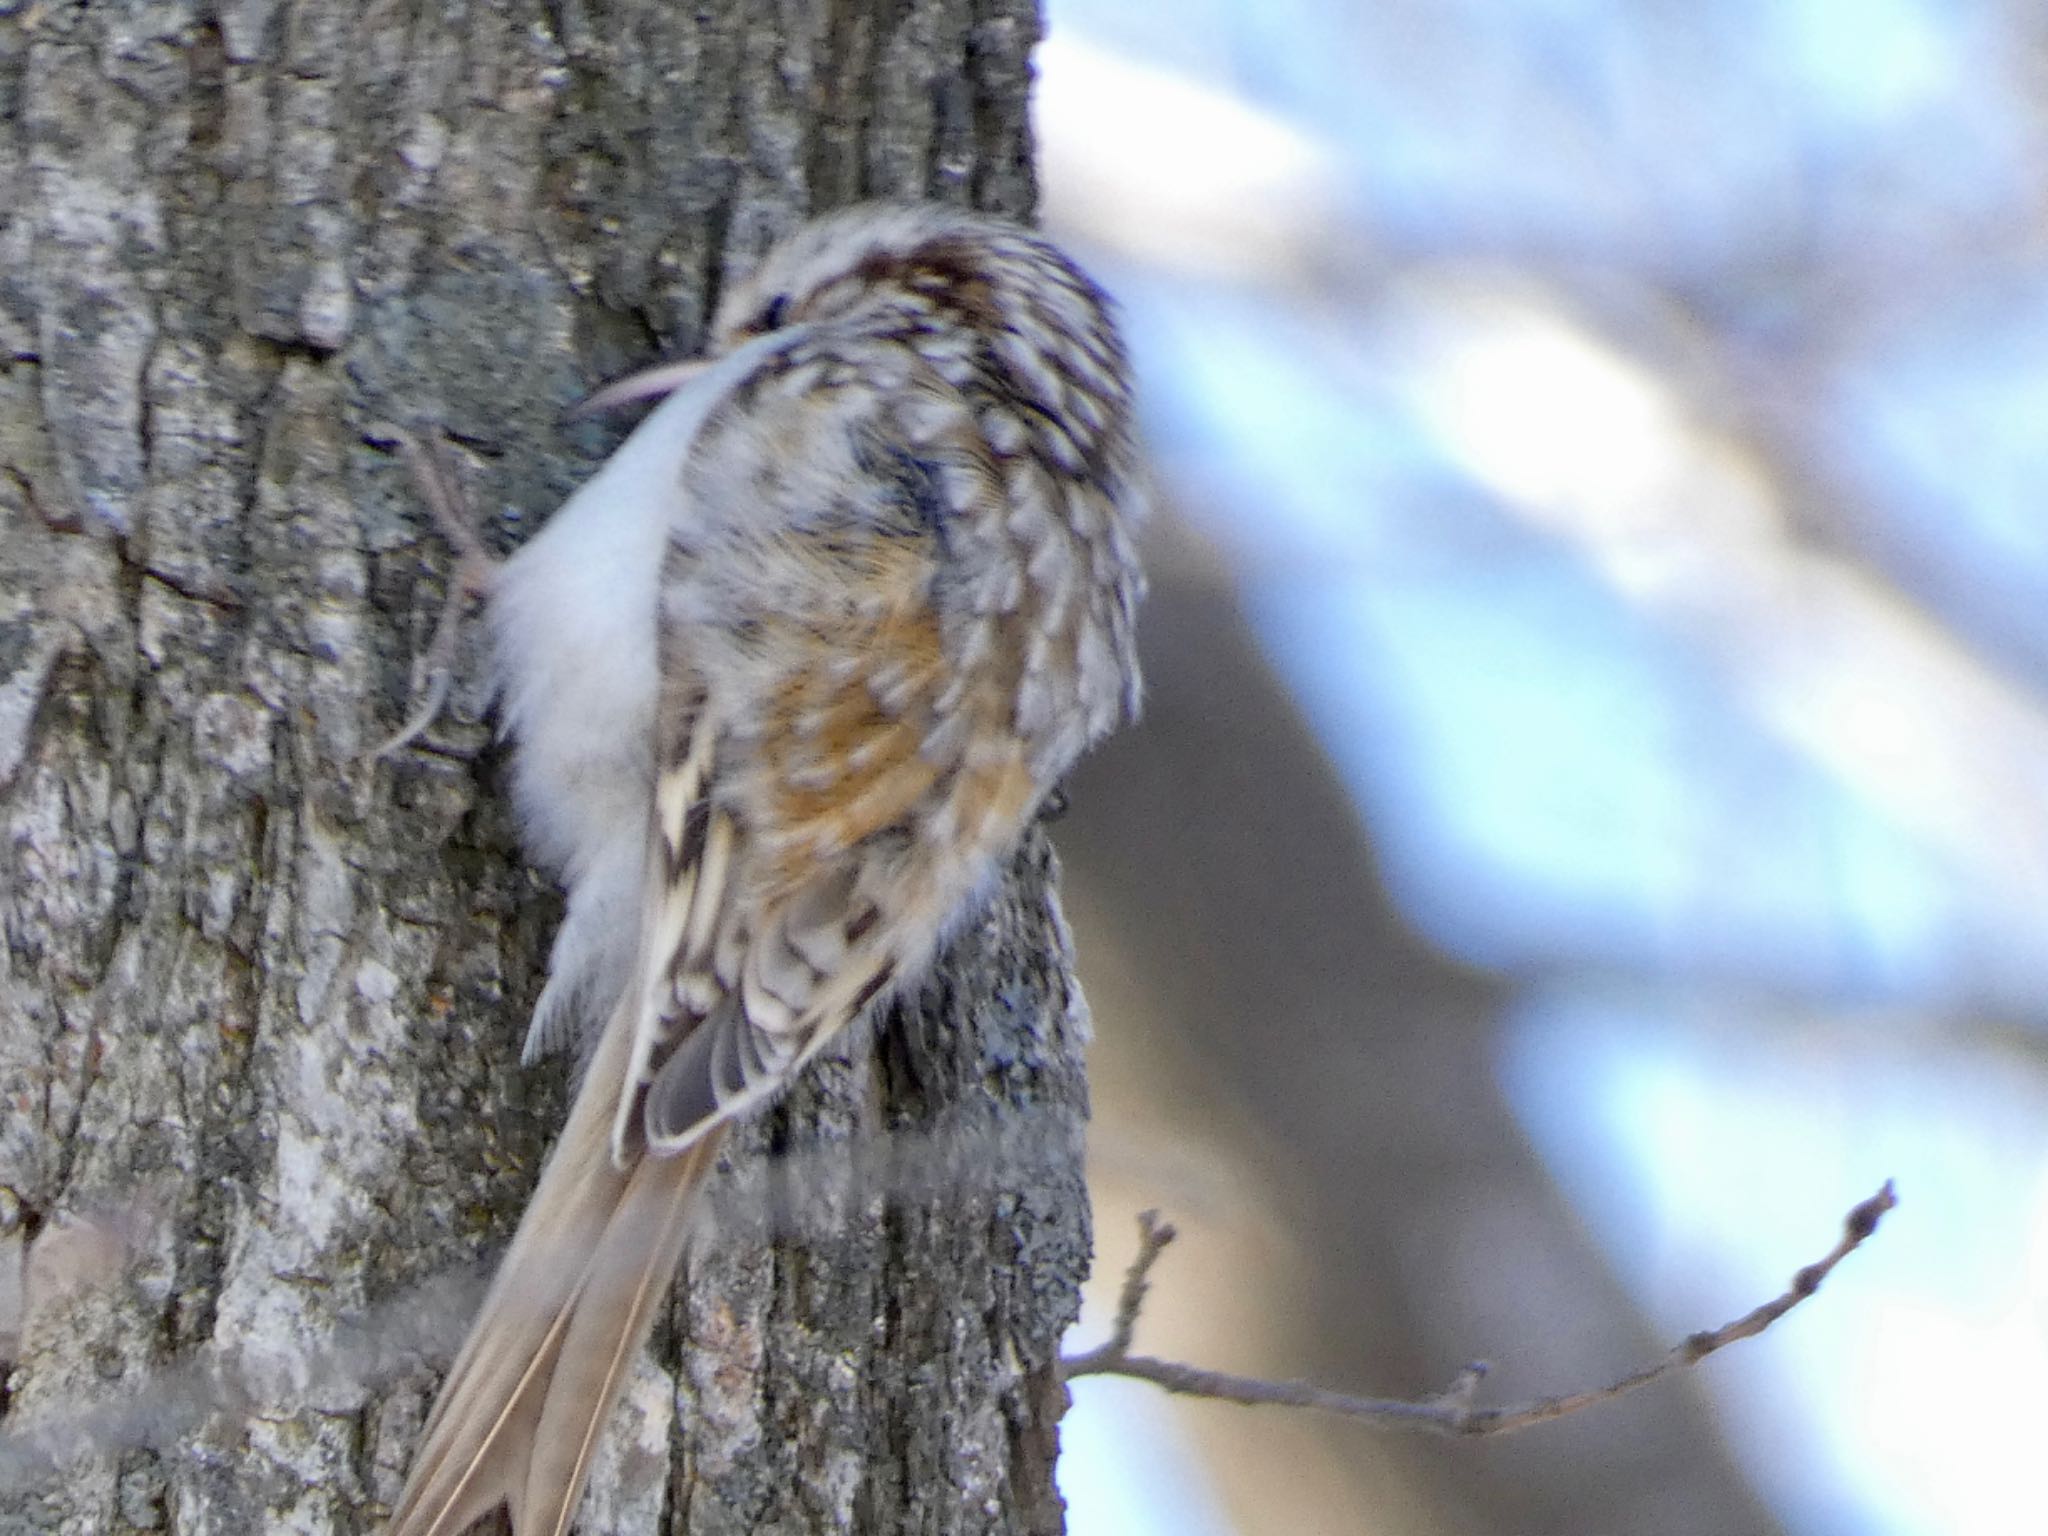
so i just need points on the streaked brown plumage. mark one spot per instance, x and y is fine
(787, 679)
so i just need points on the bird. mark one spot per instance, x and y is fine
(785, 682)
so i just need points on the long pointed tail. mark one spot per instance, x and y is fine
(520, 1412)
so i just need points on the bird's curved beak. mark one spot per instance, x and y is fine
(647, 384)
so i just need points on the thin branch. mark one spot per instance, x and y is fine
(1153, 1236)
(1451, 1412)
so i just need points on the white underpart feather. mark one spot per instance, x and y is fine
(573, 617)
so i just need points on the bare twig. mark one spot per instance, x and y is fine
(969, 1156)
(1153, 1236)
(1451, 1412)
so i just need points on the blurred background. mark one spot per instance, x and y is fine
(1591, 824)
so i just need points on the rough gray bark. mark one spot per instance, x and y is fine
(262, 1000)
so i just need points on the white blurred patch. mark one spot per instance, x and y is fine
(1125, 1469)
(1713, 1157)
(1165, 169)
(1579, 437)
(1583, 441)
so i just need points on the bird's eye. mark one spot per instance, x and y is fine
(772, 316)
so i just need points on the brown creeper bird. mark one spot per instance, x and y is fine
(786, 680)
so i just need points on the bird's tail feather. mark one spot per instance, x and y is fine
(521, 1409)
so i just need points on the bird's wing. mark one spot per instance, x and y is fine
(830, 777)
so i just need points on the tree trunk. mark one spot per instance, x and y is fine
(262, 999)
